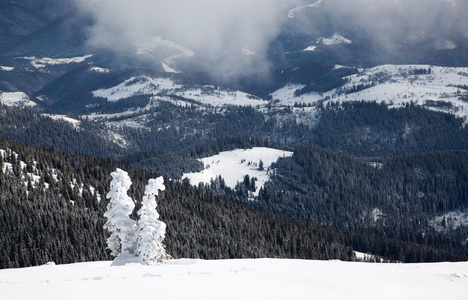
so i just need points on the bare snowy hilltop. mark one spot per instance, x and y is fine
(238, 279)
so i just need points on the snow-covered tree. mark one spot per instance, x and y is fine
(120, 225)
(151, 230)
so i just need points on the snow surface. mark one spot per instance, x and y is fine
(5, 68)
(336, 39)
(154, 47)
(453, 220)
(292, 13)
(237, 279)
(396, 86)
(233, 165)
(42, 62)
(206, 95)
(135, 86)
(74, 122)
(99, 70)
(310, 48)
(16, 99)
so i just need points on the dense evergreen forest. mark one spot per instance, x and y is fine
(182, 133)
(376, 184)
(384, 205)
(52, 205)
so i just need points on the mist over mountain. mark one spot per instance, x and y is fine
(235, 38)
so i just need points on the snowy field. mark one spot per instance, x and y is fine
(74, 122)
(42, 62)
(238, 279)
(206, 95)
(394, 85)
(16, 99)
(234, 165)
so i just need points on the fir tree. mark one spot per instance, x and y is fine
(120, 225)
(151, 230)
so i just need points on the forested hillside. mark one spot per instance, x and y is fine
(387, 205)
(52, 205)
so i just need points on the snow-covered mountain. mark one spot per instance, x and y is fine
(433, 87)
(238, 279)
(208, 95)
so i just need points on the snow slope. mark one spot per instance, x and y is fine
(293, 12)
(234, 165)
(42, 62)
(205, 95)
(395, 85)
(237, 279)
(74, 122)
(15, 99)
(336, 39)
(163, 51)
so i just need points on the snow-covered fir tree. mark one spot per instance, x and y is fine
(151, 230)
(122, 228)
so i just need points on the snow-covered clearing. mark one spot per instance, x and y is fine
(42, 62)
(238, 279)
(335, 39)
(206, 95)
(7, 69)
(440, 88)
(451, 220)
(74, 122)
(310, 48)
(233, 165)
(16, 99)
(99, 70)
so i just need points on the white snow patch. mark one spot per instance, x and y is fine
(93, 190)
(233, 165)
(99, 70)
(5, 68)
(163, 51)
(74, 122)
(238, 279)
(310, 48)
(376, 214)
(292, 13)
(207, 94)
(135, 86)
(453, 220)
(336, 39)
(247, 51)
(285, 96)
(45, 61)
(337, 67)
(168, 69)
(150, 47)
(16, 99)
(210, 95)
(361, 256)
(445, 45)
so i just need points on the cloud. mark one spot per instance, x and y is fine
(400, 21)
(233, 36)
(221, 33)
